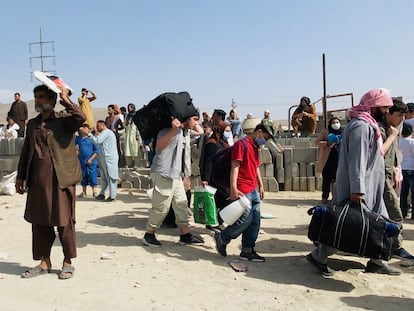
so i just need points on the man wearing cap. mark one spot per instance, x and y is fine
(266, 115)
(85, 105)
(245, 178)
(361, 174)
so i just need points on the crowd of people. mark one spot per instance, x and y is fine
(63, 149)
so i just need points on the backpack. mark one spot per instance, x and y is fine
(220, 176)
(158, 114)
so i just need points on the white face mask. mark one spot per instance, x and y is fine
(336, 126)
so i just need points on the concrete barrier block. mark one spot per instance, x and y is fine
(287, 185)
(273, 185)
(280, 175)
(310, 170)
(126, 184)
(262, 169)
(265, 183)
(295, 170)
(318, 181)
(288, 156)
(302, 169)
(303, 183)
(295, 184)
(305, 155)
(278, 160)
(289, 170)
(269, 170)
(265, 156)
(146, 182)
(311, 184)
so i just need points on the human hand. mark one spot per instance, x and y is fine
(19, 186)
(356, 197)
(392, 131)
(175, 123)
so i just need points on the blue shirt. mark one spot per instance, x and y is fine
(86, 149)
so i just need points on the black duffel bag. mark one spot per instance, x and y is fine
(158, 113)
(353, 228)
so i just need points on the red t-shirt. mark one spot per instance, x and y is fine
(250, 161)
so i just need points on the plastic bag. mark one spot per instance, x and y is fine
(205, 211)
(7, 184)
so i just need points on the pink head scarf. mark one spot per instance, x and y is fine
(374, 98)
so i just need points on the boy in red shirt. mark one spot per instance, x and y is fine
(245, 178)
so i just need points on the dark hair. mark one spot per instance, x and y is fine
(16, 94)
(43, 88)
(123, 109)
(111, 106)
(306, 99)
(84, 89)
(330, 128)
(407, 129)
(398, 106)
(101, 121)
(220, 113)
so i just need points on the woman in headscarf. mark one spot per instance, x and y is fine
(304, 117)
(328, 151)
(132, 141)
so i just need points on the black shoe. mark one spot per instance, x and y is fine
(322, 268)
(150, 240)
(109, 200)
(374, 268)
(402, 253)
(255, 257)
(220, 245)
(213, 228)
(189, 239)
(100, 197)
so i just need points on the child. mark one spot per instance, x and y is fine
(87, 155)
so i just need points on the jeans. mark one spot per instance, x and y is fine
(248, 225)
(407, 185)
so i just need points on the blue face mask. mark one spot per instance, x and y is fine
(260, 141)
(226, 136)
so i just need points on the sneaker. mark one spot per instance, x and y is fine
(255, 257)
(189, 239)
(322, 268)
(82, 195)
(150, 240)
(100, 197)
(109, 200)
(220, 245)
(402, 253)
(374, 268)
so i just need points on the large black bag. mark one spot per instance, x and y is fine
(352, 228)
(158, 113)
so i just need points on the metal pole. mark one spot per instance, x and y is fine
(324, 112)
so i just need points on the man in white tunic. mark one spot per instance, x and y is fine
(108, 160)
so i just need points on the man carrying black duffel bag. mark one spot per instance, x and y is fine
(360, 174)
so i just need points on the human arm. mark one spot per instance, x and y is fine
(93, 97)
(163, 141)
(310, 112)
(260, 183)
(391, 135)
(234, 173)
(75, 116)
(321, 141)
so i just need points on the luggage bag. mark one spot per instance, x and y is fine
(353, 228)
(158, 113)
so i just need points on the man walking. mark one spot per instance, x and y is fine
(18, 111)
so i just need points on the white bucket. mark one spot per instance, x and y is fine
(235, 210)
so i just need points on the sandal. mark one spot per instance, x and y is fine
(36, 271)
(67, 272)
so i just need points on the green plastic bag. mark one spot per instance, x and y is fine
(205, 211)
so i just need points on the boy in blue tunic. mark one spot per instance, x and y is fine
(87, 155)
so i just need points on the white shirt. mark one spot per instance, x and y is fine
(407, 150)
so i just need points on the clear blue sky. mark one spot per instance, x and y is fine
(265, 54)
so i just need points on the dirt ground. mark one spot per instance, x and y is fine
(175, 277)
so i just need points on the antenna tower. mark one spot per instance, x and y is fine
(42, 45)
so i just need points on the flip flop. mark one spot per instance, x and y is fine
(36, 271)
(67, 272)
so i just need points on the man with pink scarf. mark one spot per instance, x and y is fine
(361, 174)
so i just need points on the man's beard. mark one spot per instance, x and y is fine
(43, 108)
(378, 115)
